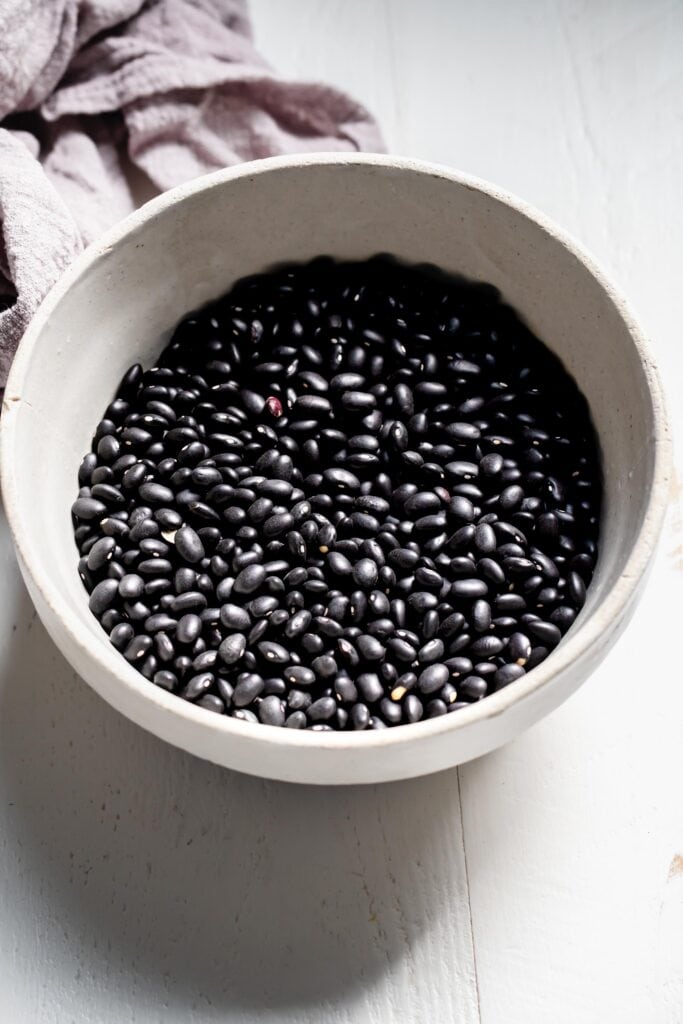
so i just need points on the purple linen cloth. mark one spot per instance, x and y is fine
(97, 93)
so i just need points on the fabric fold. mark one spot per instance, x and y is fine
(95, 92)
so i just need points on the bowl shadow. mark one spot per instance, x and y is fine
(215, 889)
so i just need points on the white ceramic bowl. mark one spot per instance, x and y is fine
(122, 298)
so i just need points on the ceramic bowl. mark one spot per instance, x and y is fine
(119, 303)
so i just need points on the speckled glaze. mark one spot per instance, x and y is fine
(120, 302)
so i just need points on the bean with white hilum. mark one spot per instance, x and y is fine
(349, 496)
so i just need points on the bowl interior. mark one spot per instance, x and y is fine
(121, 306)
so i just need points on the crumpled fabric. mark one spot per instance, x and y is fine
(107, 102)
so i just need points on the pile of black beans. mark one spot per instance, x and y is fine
(349, 496)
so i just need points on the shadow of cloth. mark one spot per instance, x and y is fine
(171, 875)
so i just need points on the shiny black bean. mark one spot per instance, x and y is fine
(232, 649)
(88, 508)
(322, 709)
(189, 545)
(138, 648)
(469, 588)
(433, 650)
(249, 686)
(249, 579)
(487, 646)
(365, 573)
(547, 632)
(271, 711)
(432, 678)
(103, 595)
(188, 629)
(506, 674)
(273, 653)
(370, 686)
(481, 615)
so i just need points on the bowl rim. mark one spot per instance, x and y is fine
(577, 645)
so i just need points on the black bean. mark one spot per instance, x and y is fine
(249, 579)
(278, 524)
(563, 617)
(101, 553)
(155, 567)
(88, 508)
(481, 615)
(576, 590)
(339, 563)
(165, 680)
(452, 624)
(322, 709)
(485, 538)
(298, 623)
(297, 720)
(519, 647)
(507, 674)
(232, 648)
(299, 675)
(370, 686)
(430, 624)
(487, 646)
(160, 622)
(271, 711)
(365, 573)
(546, 632)
(432, 678)
(370, 648)
(249, 687)
(341, 479)
(210, 702)
(473, 687)
(359, 717)
(403, 558)
(413, 708)
(435, 708)
(422, 601)
(421, 503)
(189, 545)
(138, 648)
(274, 653)
(244, 715)
(189, 600)
(433, 650)
(102, 596)
(469, 588)
(188, 629)
(121, 635)
(156, 494)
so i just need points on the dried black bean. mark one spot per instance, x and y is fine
(322, 709)
(547, 632)
(189, 545)
(433, 678)
(370, 686)
(248, 687)
(103, 595)
(271, 711)
(249, 579)
(232, 648)
(507, 674)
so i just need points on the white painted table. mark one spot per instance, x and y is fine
(541, 884)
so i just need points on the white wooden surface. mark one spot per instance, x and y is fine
(542, 883)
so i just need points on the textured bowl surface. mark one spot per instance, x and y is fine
(119, 303)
